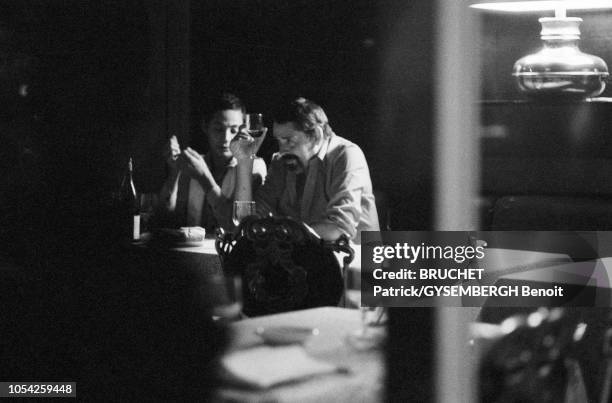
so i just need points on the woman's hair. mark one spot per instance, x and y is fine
(221, 102)
(305, 114)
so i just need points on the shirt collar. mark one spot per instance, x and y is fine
(323, 150)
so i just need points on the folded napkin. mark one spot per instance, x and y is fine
(181, 235)
(263, 367)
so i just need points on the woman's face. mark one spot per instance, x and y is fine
(221, 129)
(293, 141)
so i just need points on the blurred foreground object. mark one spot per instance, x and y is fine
(284, 265)
(529, 360)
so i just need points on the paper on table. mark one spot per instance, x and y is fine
(184, 236)
(262, 367)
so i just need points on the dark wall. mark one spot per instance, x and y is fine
(555, 156)
(100, 83)
(367, 63)
(267, 50)
(80, 84)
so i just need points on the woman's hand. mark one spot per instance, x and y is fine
(194, 165)
(244, 146)
(171, 153)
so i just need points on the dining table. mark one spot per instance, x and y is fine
(360, 374)
(204, 253)
(200, 255)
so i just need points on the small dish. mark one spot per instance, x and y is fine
(186, 244)
(282, 335)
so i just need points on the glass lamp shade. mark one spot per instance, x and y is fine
(560, 69)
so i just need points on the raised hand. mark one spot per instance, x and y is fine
(244, 146)
(172, 150)
(193, 164)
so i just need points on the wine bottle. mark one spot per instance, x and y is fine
(130, 204)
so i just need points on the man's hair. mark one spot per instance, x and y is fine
(221, 102)
(305, 115)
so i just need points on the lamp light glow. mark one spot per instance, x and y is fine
(560, 69)
(547, 5)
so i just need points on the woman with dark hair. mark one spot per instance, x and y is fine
(316, 177)
(199, 187)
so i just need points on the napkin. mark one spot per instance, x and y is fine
(263, 367)
(181, 235)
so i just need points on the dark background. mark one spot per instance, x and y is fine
(545, 164)
(87, 84)
(84, 85)
(106, 80)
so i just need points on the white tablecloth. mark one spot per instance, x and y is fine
(363, 383)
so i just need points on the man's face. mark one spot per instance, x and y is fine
(294, 141)
(221, 129)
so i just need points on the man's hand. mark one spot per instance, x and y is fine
(244, 146)
(172, 150)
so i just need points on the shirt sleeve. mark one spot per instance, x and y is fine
(268, 195)
(347, 180)
(259, 173)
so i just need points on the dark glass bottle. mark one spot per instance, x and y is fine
(130, 205)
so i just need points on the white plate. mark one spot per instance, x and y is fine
(147, 237)
(185, 244)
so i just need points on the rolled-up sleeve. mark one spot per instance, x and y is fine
(347, 179)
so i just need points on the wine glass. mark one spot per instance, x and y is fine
(228, 294)
(241, 210)
(254, 125)
(366, 337)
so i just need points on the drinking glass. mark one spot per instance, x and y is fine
(148, 203)
(366, 337)
(228, 297)
(254, 124)
(241, 210)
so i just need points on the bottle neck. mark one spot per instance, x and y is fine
(130, 170)
(561, 43)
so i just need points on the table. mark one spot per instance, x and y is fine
(202, 256)
(364, 383)
(208, 253)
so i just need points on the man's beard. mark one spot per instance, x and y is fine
(291, 162)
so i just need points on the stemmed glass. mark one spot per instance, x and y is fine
(254, 125)
(228, 292)
(242, 209)
(365, 337)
